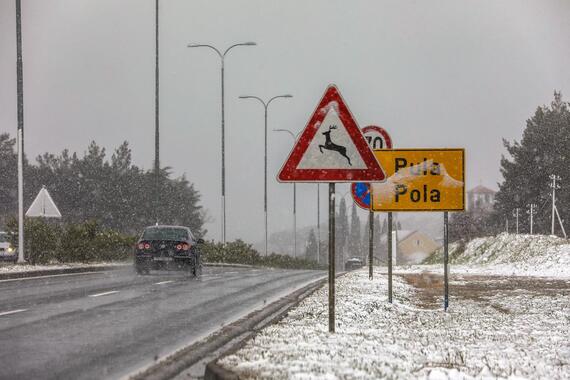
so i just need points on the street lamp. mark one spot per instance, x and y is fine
(294, 198)
(222, 59)
(265, 106)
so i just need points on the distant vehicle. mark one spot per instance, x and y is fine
(353, 263)
(7, 251)
(168, 247)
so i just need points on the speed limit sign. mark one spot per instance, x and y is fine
(377, 137)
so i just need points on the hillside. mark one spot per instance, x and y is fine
(537, 255)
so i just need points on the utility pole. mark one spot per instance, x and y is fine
(156, 119)
(554, 186)
(20, 102)
(516, 212)
(531, 211)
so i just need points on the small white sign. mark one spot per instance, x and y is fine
(43, 206)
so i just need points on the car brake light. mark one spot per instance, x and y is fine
(146, 246)
(185, 247)
(140, 246)
(178, 247)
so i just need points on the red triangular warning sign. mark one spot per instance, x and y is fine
(331, 147)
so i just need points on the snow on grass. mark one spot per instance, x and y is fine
(524, 335)
(508, 254)
(20, 268)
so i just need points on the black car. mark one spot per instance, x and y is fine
(168, 247)
(353, 263)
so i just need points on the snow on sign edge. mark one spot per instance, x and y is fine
(291, 173)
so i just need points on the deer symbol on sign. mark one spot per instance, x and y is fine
(329, 145)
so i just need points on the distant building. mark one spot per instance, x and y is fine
(480, 199)
(413, 247)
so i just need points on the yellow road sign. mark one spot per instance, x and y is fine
(420, 180)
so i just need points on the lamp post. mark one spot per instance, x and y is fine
(265, 106)
(294, 198)
(156, 118)
(222, 59)
(20, 103)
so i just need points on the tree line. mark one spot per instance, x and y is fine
(94, 187)
(544, 150)
(351, 239)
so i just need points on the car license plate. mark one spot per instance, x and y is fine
(163, 259)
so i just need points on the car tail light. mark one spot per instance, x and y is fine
(146, 246)
(185, 247)
(140, 246)
(179, 247)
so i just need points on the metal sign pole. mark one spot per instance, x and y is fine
(445, 259)
(370, 242)
(389, 257)
(331, 258)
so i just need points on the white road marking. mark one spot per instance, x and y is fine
(104, 293)
(51, 275)
(164, 282)
(12, 312)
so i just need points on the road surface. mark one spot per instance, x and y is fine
(109, 324)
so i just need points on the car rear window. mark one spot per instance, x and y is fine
(165, 234)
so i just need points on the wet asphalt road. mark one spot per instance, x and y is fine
(109, 324)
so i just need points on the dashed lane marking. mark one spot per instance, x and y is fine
(12, 312)
(104, 293)
(164, 282)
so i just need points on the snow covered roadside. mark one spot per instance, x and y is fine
(506, 255)
(523, 335)
(24, 268)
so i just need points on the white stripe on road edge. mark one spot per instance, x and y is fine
(12, 312)
(50, 275)
(164, 282)
(104, 293)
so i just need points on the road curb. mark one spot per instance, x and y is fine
(239, 331)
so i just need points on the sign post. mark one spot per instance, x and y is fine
(331, 149)
(421, 180)
(445, 260)
(389, 242)
(377, 138)
(370, 243)
(331, 258)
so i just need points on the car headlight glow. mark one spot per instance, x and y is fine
(10, 249)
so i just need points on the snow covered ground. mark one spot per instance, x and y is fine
(507, 254)
(17, 268)
(494, 328)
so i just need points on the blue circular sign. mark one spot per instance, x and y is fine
(361, 194)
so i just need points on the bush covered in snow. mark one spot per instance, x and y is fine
(239, 252)
(48, 242)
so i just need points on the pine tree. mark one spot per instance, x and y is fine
(341, 234)
(379, 234)
(8, 177)
(311, 246)
(543, 150)
(354, 247)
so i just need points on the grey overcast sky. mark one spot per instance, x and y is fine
(433, 73)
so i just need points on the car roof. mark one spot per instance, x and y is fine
(167, 226)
